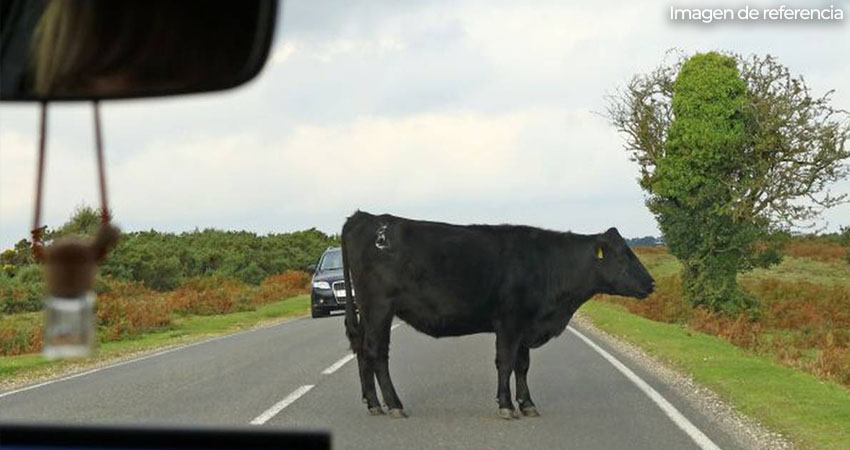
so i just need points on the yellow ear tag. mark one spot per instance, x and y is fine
(599, 253)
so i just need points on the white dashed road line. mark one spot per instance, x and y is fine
(703, 441)
(278, 407)
(335, 366)
(296, 394)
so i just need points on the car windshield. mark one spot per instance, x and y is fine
(331, 261)
(542, 204)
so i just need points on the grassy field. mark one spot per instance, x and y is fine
(789, 368)
(184, 329)
(811, 412)
(805, 311)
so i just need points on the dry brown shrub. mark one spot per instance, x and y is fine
(664, 305)
(36, 338)
(834, 363)
(796, 305)
(820, 251)
(294, 280)
(206, 296)
(129, 309)
(785, 352)
(20, 340)
(277, 287)
(741, 331)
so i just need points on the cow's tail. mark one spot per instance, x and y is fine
(351, 321)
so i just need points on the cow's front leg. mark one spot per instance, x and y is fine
(506, 351)
(523, 397)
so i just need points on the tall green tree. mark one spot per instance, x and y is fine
(705, 157)
(730, 150)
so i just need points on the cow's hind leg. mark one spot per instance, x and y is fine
(376, 341)
(366, 369)
(382, 370)
(506, 351)
(523, 397)
(367, 384)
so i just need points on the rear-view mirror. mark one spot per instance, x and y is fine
(104, 49)
(311, 268)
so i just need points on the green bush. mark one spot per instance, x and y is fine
(251, 274)
(162, 261)
(22, 292)
(30, 274)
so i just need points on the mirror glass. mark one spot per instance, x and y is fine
(102, 49)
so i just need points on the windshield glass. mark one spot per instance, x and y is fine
(331, 261)
(532, 195)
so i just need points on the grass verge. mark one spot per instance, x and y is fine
(184, 329)
(810, 412)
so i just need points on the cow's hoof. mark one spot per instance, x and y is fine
(508, 414)
(530, 411)
(376, 411)
(398, 413)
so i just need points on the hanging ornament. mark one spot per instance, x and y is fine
(70, 266)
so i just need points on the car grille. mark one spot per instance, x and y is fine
(338, 288)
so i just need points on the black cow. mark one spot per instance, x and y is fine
(520, 282)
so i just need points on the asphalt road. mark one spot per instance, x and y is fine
(292, 375)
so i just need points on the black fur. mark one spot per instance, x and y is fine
(522, 283)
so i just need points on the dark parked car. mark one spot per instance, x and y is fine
(328, 286)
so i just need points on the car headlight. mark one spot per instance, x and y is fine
(321, 285)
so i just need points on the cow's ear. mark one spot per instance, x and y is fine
(602, 246)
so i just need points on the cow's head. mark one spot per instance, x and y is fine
(619, 271)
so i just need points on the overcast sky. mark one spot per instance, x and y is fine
(467, 112)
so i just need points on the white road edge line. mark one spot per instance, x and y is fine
(335, 366)
(703, 441)
(278, 407)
